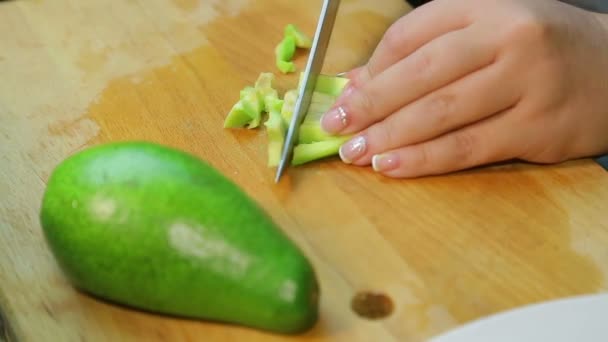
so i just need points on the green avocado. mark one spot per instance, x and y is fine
(155, 228)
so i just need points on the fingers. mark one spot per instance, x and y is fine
(412, 31)
(470, 99)
(438, 63)
(485, 142)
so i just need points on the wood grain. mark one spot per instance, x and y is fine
(446, 249)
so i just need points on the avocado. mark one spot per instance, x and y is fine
(152, 227)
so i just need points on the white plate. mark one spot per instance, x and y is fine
(574, 319)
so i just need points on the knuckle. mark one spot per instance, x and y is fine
(381, 136)
(422, 64)
(393, 37)
(527, 25)
(440, 110)
(391, 139)
(464, 144)
(555, 153)
(364, 104)
(423, 157)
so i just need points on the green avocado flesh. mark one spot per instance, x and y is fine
(158, 229)
(284, 52)
(313, 142)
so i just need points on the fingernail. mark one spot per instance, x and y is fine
(353, 149)
(384, 162)
(335, 120)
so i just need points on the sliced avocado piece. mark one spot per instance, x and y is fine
(302, 40)
(265, 87)
(329, 85)
(311, 131)
(253, 104)
(262, 97)
(290, 98)
(304, 153)
(155, 228)
(237, 117)
(293, 38)
(284, 53)
(276, 129)
(286, 66)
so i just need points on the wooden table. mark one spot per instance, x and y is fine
(446, 250)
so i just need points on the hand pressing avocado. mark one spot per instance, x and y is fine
(155, 228)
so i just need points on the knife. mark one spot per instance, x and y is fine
(309, 80)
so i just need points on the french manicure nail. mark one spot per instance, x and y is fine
(384, 162)
(335, 120)
(353, 149)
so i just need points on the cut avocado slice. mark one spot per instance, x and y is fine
(302, 40)
(293, 38)
(286, 67)
(284, 53)
(249, 109)
(290, 98)
(265, 87)
(276, 129)
(237, 117)
(253, 103)
(304, 153)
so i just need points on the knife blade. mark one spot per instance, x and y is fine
(309, 80)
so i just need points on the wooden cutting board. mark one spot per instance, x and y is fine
(446, 250)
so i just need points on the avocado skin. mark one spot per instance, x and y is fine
(155, 228)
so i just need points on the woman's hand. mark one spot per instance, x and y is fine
(458, 84)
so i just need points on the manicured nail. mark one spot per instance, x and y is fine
(384, 162)
(335, 120)
(353, 149)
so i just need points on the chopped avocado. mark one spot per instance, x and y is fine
(313, 142)
(276, 129)
(237, 117)
(302, 40)
(265, 87)
(328, 85)
(311, 131)
(253, 104)
(155, 228)
(286, 67)
(290, 98)
(304, 153)
(293, 38)
(284, 53)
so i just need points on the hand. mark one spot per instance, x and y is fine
(458, 84)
